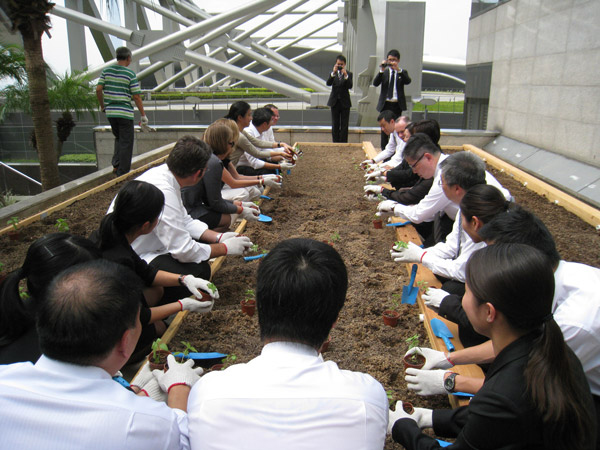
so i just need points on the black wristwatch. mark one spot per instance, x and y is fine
(449, 382)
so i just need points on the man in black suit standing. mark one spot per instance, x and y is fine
(340, 81)
(392, 80)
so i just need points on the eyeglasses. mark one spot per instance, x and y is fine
(412, 166)
(231, 143)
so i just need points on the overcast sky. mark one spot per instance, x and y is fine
(446, 28)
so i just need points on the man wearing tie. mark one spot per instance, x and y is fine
(340, 81)
(392, 80)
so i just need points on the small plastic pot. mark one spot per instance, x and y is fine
(409, 363)
(248, 307)
(205, 297)
(408, 407)
(217, 367)
(162, 364)
(378, 224)
(390, 318)
(14, 235)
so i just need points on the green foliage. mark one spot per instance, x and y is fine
(401, 244)
(249, 294)
(23, 293)
(254, 248)
(390, 396)
(187, 349)
(14, 222)
(423, 285)
(6, 198)
(212, 287)
(228, 360)
(229, 93)
(455, 107)
(156, 346)
(335, 237)
(62, 225)
(12, 63)
(395, 302)
(413, 342)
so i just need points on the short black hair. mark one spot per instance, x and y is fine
(237, 109)
(395, 53)
(464, 169)
(188, 156)
(87, 309)
(520, 226)
(123, 53)
(301, 288)
(341, 58)
(386, 115)
(260, 116)
(418, 145)
(430, 127)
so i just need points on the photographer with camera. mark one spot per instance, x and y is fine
(392, 80)
(340, 81)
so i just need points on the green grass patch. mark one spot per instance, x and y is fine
(456, 107)
(229, 93)
(69, 158)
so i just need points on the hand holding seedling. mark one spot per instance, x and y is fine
(251, 205)
(250, 214)
(434, 297)
(147, 384)
(386, 207)
(237, 245)
(413, 253)
(366, 163)
(197, 306)
(422, 416)
(373, 189)
(178, 373)
(374, 174)
(425, 382)
(194, 284)
(398, 414)
(434, 359)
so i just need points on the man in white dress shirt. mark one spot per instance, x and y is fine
(88, 326)
(289, 397)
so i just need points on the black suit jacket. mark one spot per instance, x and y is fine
(339, 91)
(383, 79)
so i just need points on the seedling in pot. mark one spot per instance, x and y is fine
(158, 345)
(377, 222)
(416, 360)
(423, 285)
(335, 237)
(400, 244)
(254, 248)
(228, 360)
(61, 225)
(14, 222)
(249, 303)
(188, 348)
(391, 315)
(212, 288)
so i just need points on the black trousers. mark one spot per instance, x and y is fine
(122, 129)
(340, 116)
(395, 108)
(170, 264)
(251, 171)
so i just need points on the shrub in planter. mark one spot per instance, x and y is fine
(414, 360)
(157, 359)
(377, 222)
(15, 233)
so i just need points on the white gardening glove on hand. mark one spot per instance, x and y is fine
(373, 175)
(434, 359)
(250, 205)
(227, 235)
(147, 384)
(409, 255)
(178, 373)
(197, 306)
(271, 176)
(194, 284)
(434, 297)
(237, 245)
(425, 382)
(393, 416)
(372, 189)
(270, 182)
(250, 214)
(424, 417)
(284, 165)
(366, 163)
(386, 208)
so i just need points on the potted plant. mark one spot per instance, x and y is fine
(249, 303)
(15, 233)
(377, 222)
(206, 297)
(157, 359)
(187, 349)
(414, 360)
(424, 285)
(225, 362)
(400, 244)
(391, 316)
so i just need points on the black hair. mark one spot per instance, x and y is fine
(430, 127)
(271, 106)
(137, 202)
(340, 58)
(520, 226)
(123, 53)
(519, 281)
(237, 109)
(261, 115)
(87, 309)
(45, 258)
(463, 169)
(484, 202)
(188, 156)
(418, 145)
(301, 288)
(386, 115)
(395, 53)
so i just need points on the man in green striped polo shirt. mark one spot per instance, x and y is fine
(117, 86)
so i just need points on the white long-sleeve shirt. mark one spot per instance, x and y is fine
(246, 159)
(390, 148)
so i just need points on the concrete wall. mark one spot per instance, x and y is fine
(545, 87)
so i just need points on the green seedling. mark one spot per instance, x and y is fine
(13, 222)
(335, 237)
(401, 244)
(395, 302)
(228, 360)
(61, 225)
(249, 294)
(23, 293)
(156, 346)
(423, 285)
(254, 248)
(212, 288)
(380, 197)
(413, 342)
(188, 348)
(255, 202)
(370, 182)
(390, 396)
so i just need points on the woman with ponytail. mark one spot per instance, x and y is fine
(136, 212)
(46, 258)
(535, 394)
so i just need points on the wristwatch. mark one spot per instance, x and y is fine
(449, 382)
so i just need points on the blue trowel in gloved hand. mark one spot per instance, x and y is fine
(440, 329)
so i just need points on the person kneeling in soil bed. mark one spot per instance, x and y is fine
(136, 212)
(289, 397)
(88, 327)
(535, 395)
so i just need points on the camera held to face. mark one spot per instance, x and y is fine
(340, 67)
(384, 65)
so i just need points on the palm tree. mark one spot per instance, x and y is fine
(12, 63)
(30, 18)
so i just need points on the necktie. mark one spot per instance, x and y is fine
(390, 93)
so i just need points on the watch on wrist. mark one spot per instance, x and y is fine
(449, 382)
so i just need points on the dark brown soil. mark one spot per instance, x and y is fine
(322, 199)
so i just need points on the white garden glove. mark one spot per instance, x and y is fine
(237, 245)
(250, 214)
(373, 175)
(366, 163)
(194, 284)
(434, 297)
(271, 176)
(250, 205)
(424, 417)
(372, 189)
(178, 373)
(271, 182)
(433, 358)
(398, 414)
(386, 208)
(146, 382)
(425, 382)
(412, 254)
(284, 165)
(197, 306)
(227, 235)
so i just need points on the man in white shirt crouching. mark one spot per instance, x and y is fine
(289, 397)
